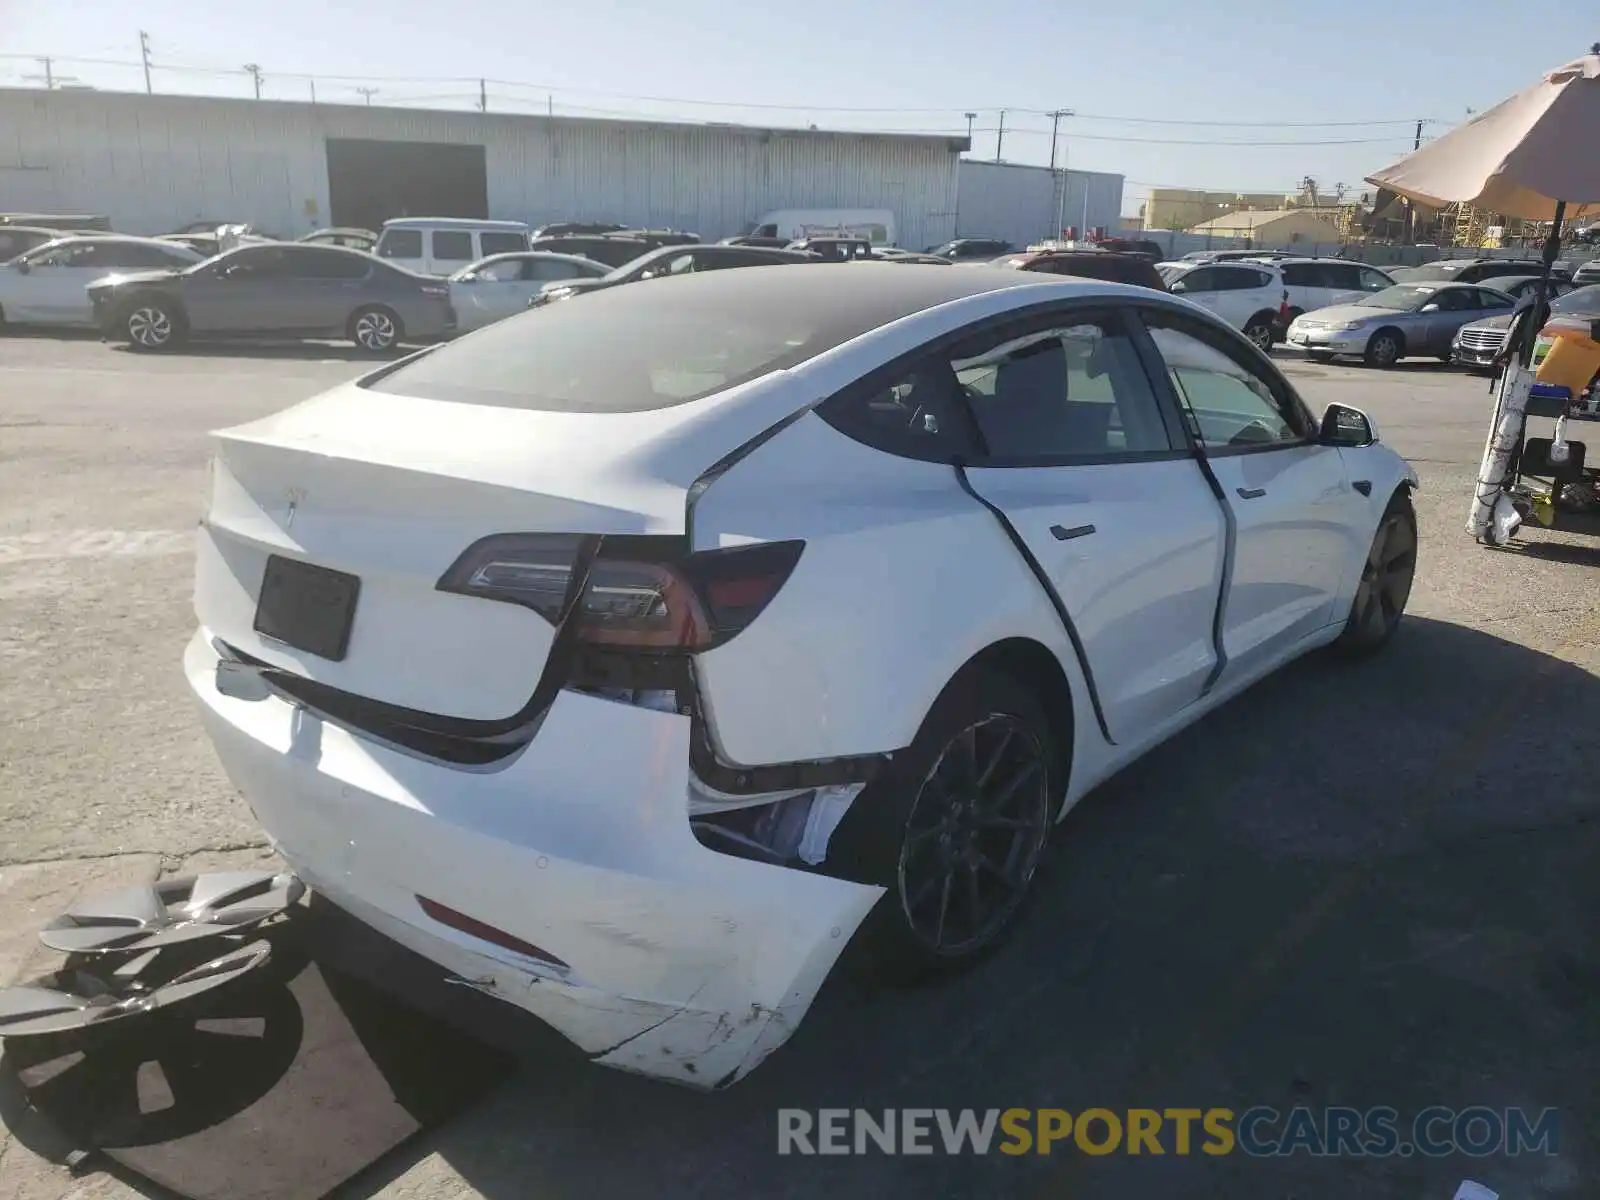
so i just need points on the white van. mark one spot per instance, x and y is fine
(796, 224)
(443, 245)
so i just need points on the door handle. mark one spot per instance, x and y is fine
(1251, 493)
(1062, 534)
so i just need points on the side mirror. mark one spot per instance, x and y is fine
(1346, 426)
(1432, 306)
(23, 266)
(1179, 288)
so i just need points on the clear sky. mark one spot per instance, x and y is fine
(1172, 74)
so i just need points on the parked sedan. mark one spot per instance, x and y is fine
(276, 290)
(674, 260)
(1478, 343)
(1409, 319)
(502, 284)
(19, 239)
(678, 638)
(48, 284)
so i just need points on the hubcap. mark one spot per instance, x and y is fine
(1384, 351)
(375, 331)
(1261, 335)
(974, 836)
(150, 327)
(1386, 579)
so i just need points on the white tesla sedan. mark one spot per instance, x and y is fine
(630, 658)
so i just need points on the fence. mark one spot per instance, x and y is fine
(1177, 244)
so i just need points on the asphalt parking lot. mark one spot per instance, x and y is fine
(1367, 885)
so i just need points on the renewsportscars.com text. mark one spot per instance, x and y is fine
(1258, 1132)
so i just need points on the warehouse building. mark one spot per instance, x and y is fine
(156, 163)
(1024, 204)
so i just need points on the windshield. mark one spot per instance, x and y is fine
(1172, 272)
(1403, 297)
(1584, 300)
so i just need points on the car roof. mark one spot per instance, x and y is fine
(1497, 280)
(454, 223)
(540, 255)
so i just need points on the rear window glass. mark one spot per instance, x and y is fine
(627, 349)
(400, 243)
(502, 243)
(452, 245)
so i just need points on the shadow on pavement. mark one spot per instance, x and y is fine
(315, 351)
(1357, 885)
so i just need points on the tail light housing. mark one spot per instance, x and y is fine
(638, 593)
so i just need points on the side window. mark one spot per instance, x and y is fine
(914, 411)
(1374, 281)
(504, 271)
(501, 243)
(324, 264)
(1073, 390)
(451, 245)
(1303, 275)
(257, 263)
(1201, 279)
(1229, 406)
(543, 270)
(1344, 277)
(1457, 299)
(400, 243)
(766, 231)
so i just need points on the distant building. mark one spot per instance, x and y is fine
(1021, 204)
(1281, 227)
(1184, 208)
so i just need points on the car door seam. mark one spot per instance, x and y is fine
(1050, 592)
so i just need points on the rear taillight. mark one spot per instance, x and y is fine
(639, 593)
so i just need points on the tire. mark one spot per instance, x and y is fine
(375, 329)
(1262, 331)
(954, 832)
(152, 325)
(1384, 348)
(1386, 578)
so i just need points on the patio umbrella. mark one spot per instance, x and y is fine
(1531, 157)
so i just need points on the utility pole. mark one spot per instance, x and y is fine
(255, 75)
(1061, 196)
(970, 118)
(483, 96)
(1409, 232)
(1000, 136)
(313, 84)
(144, 55)
(369, 93)
(50, 79)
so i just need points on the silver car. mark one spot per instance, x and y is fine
(1404, 321)
(1477, 344)
(278, 289)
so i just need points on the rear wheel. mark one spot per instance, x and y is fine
(955, 832)
(1260, 331)
(1380, 599)
(152, 325)
(375, 329)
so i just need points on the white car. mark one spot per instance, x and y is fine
(1313, 283)
(630, 658)
(1250, 296)
(502, 284)
(46, 286)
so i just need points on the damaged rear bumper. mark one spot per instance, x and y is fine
(660, 956)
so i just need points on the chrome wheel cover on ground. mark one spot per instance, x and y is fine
(974, 836)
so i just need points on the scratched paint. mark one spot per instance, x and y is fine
(93, 543)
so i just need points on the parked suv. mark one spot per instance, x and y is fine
(1089, 264)
(277, 290)
(1250, 296)
(1473, 270)
(967, 249)
(1314, 283)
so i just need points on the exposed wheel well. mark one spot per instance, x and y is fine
(1033, 665)
(1267, 316)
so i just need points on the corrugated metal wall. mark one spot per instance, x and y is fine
(1019, 203)
(153, 163)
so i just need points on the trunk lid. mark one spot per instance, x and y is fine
(392, 489)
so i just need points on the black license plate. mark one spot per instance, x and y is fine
(308, 607)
